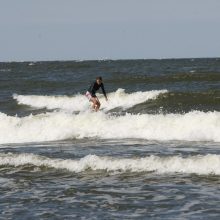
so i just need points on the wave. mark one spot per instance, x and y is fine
(80, 103)
(202, 165)
(192, 126)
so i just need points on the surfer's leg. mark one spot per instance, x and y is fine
(95, 103)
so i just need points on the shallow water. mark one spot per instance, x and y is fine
(31, 191)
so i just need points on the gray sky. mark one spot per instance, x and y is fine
(108, 29)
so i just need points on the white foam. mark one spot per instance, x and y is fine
(207, 164)
(77, 103)
(193, 126)
(80, 103)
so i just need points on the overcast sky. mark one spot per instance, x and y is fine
(108, 29)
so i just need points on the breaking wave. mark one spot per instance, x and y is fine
(202, 165)
(192, 126)
(80, 103)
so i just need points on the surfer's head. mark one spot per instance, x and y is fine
(99, 80)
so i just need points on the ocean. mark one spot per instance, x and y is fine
(151, 152)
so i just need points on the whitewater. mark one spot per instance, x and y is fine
(202, 165)
(193, 126)
(63, 123)
(118, 99)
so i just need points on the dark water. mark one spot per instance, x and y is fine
(157, 157)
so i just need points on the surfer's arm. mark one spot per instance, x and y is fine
(103, 91)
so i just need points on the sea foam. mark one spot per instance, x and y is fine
(192, 126)
(200, 164)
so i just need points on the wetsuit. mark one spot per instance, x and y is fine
(94, 87)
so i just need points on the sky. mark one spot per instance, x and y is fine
(36, 30)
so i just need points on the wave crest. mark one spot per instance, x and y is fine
(80, 103)
(202, 165)
(193, 126)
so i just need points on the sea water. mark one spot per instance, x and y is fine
(152, 151)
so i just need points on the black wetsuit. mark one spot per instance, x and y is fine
(94, 87)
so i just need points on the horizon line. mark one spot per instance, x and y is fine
(104, 59)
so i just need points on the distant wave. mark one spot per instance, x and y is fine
(80, 103)
(192, 126)
(204, 165)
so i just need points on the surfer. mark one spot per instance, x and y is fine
(91, 93)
